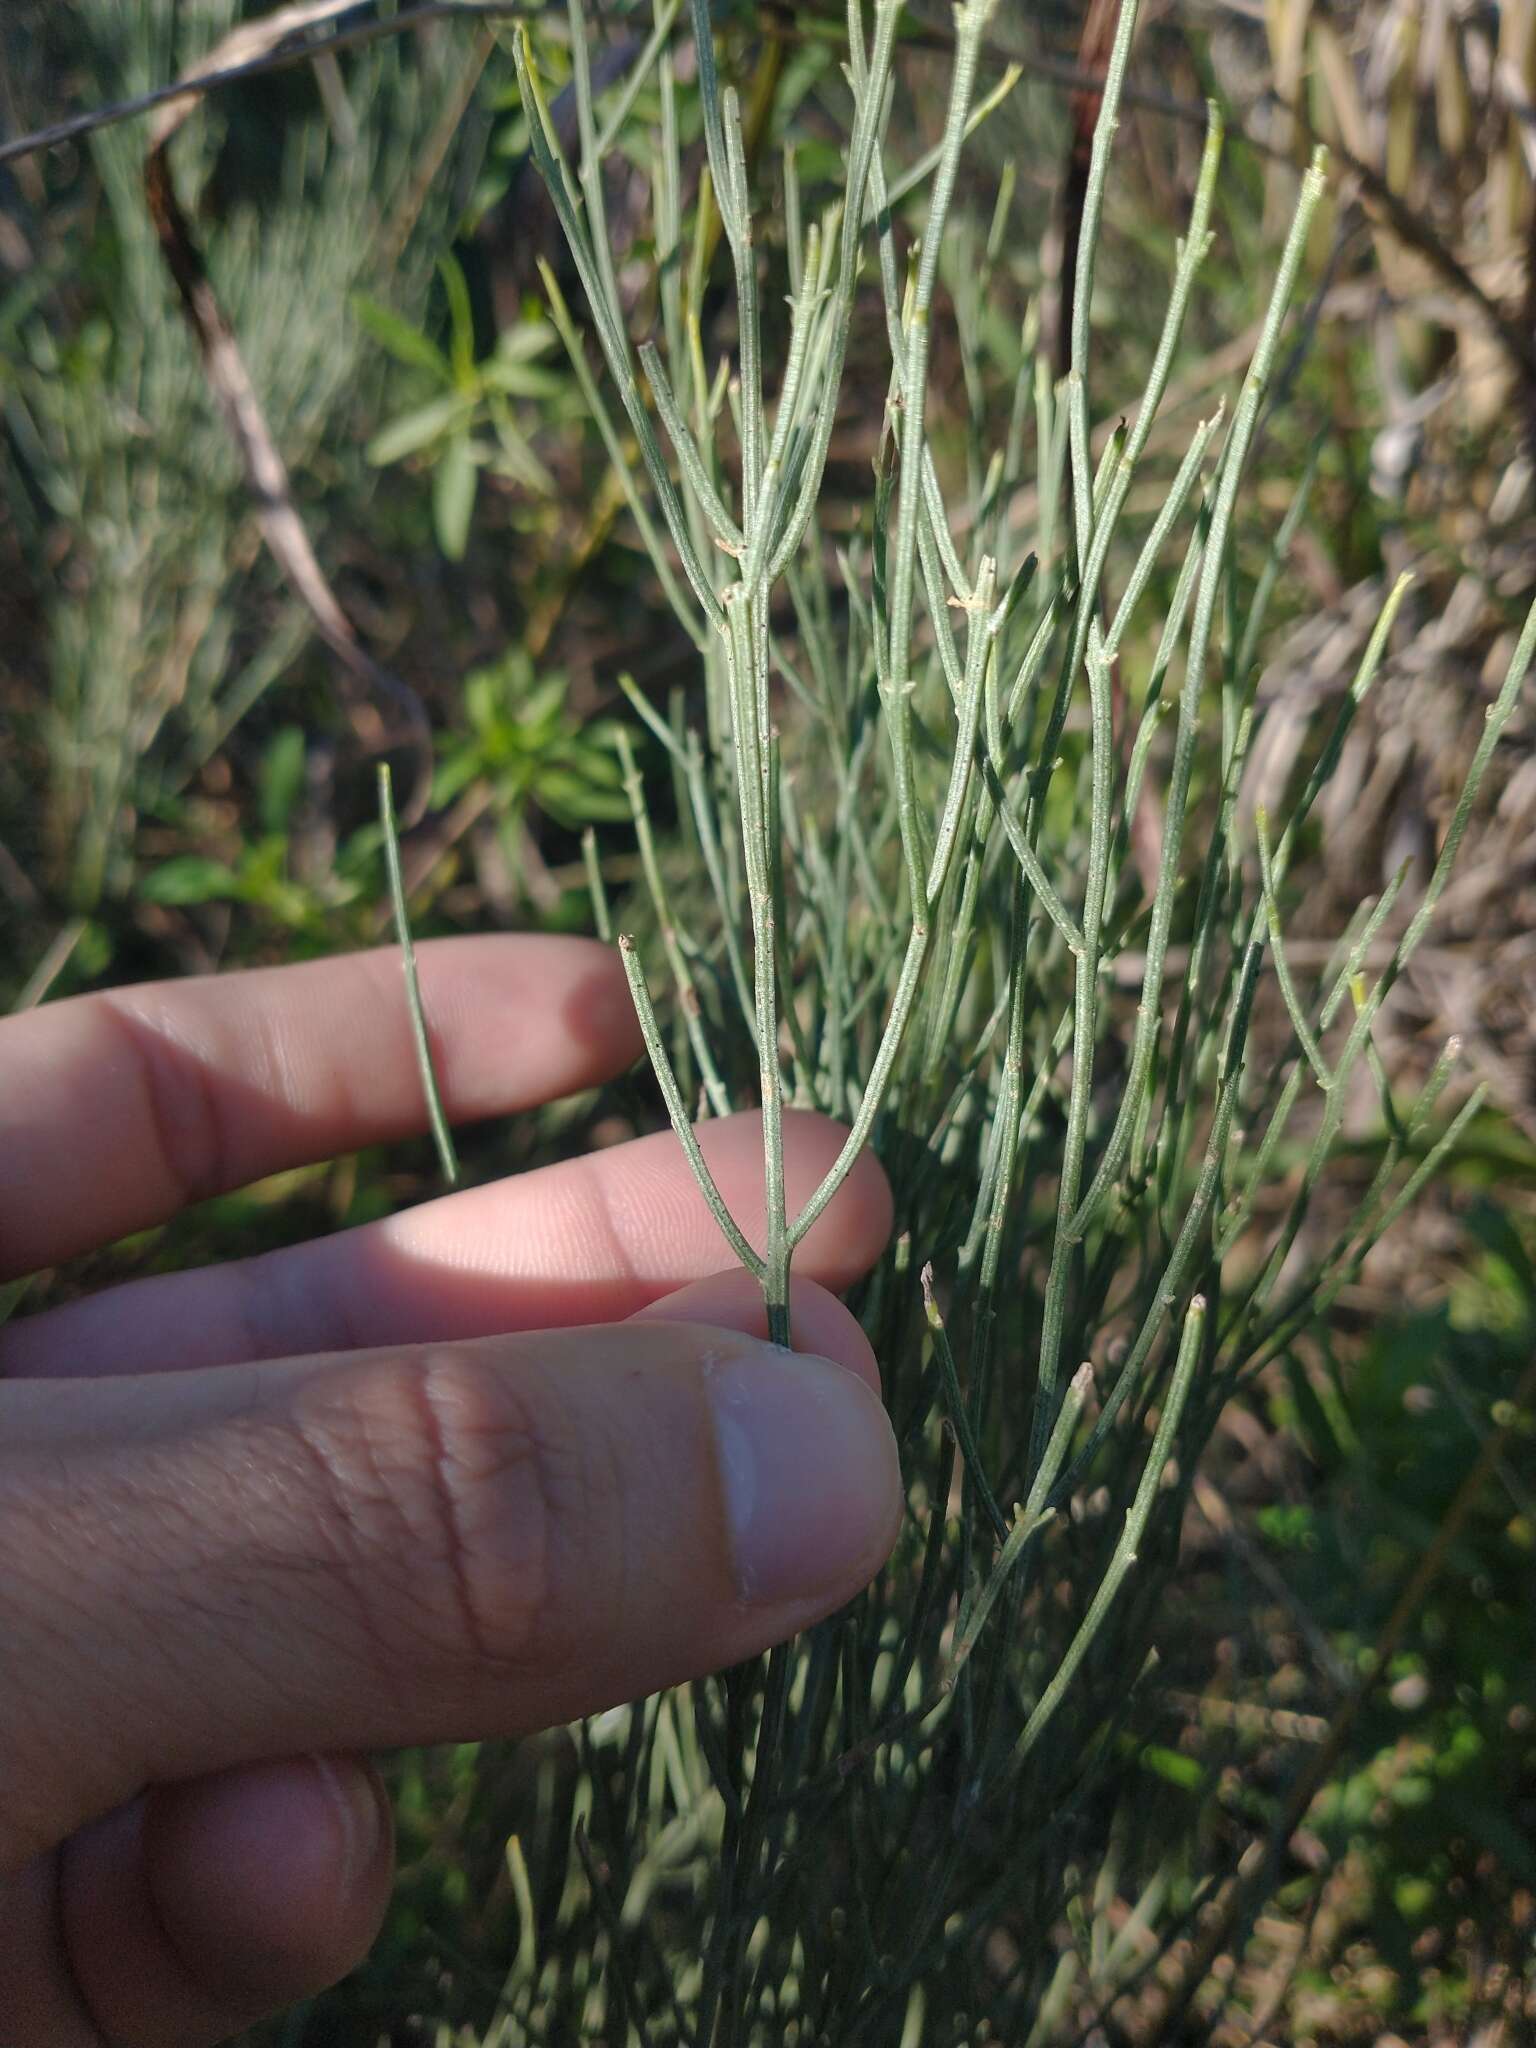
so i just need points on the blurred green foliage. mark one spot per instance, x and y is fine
(521, 742)
(446, 432)
(263, 875)
(159, 623)
(1436, 1805)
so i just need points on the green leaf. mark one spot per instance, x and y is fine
(264, 867)
(462, 320)
(416, 430)
(93, 955)
(404, 342)
(454, 489)
(482, 698)
(529, 338)
(599, 768)
(1183, 1771)
(454, 777)
(543, 701)
(522, 380)
(516, 460)
(190, 879)
(281, 780)
(574, 800)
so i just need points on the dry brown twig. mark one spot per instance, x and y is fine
(384, 711)
(207, 77)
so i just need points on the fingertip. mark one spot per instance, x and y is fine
(274, 1876)
(201, 1906)
(810, 1480)
(600, 1008)
(819, 1323)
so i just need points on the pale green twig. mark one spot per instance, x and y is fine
(442, 1137)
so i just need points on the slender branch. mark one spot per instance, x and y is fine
(677, 1110)
(1126, 1552)
(442, 1136)
(310, 52)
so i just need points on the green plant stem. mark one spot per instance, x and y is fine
(1132, 1535)
(442, 1136)
(678, 1112)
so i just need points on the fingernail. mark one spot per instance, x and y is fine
(359, 1815)
(808, 1473)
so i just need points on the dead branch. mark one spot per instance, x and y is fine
(384, 711)
(212, 76)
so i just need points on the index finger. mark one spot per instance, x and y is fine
(118, 1109)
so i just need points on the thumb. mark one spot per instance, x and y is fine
(440, 1544)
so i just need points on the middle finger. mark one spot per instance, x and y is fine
(589, 1240)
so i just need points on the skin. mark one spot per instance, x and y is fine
(505, 1459)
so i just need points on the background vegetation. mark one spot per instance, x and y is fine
(186, 786)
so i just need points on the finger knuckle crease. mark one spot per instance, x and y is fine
(470, 1487)
(181, 1105)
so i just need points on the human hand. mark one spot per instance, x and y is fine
(260, 1519)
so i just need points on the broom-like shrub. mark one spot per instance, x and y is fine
(962, 860)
